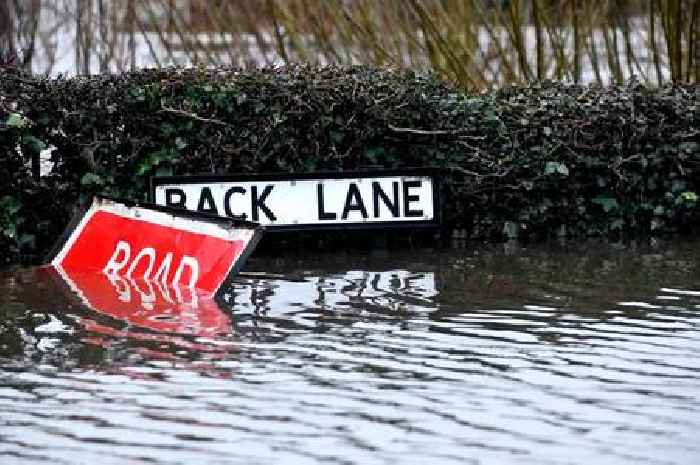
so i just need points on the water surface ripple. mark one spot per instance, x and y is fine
(560, 354)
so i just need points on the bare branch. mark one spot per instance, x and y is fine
(193, 116)
(447, 132)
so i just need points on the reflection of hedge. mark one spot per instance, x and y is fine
(539, 161)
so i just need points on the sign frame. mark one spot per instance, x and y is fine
(432, 173)
(85, 206)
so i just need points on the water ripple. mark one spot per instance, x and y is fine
(492, 356)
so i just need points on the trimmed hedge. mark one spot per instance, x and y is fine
(530, 162)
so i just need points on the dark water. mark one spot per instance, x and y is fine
(566, 354)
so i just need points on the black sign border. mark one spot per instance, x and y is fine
(432, 173)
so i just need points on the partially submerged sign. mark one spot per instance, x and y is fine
(311, 200)
(127, 240)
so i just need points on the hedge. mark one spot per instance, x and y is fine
(545, 160)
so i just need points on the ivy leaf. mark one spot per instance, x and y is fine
(10, 231)
(11, 205)
(689, 147)
(27, 241)
(510, 229)
(152, 160)
(337, 137)
(308, 164)
(91, 179)
(554, 167)
(15, 120)
(373, 153)
(678, 185)
(608, 203)
(164, 170)
(36, 145)
(616, 225)
(689, 198)
(180, 143)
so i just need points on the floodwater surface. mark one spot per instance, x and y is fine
(560, 354)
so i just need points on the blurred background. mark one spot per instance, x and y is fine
(475, 44)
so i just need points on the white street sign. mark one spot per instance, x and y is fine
(307, 201)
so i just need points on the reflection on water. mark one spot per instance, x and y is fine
(563, 354)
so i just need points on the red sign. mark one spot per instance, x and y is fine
(160, 246)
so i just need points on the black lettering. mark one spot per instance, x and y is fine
(407, 199)
(353, 201)
(378, 192)
(227, 203)
(259, 202)
(206, 198)
(170, 200)
(322, 214)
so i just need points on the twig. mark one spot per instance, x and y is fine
(470, 147)
(193, 116)
(479, 176)
(422, 132)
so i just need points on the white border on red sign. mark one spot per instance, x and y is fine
(154, 217)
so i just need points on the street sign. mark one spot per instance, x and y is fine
(156, 244)
(309, 200)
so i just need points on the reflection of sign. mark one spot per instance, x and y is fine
(307, 200)
(369, 290)
(169, 248)
(147, 305)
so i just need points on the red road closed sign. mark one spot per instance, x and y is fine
(155, 244)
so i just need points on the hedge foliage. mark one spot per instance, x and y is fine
(538, 161)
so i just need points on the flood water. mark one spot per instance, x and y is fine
(583, 353)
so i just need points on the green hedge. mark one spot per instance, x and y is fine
(539, 161)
